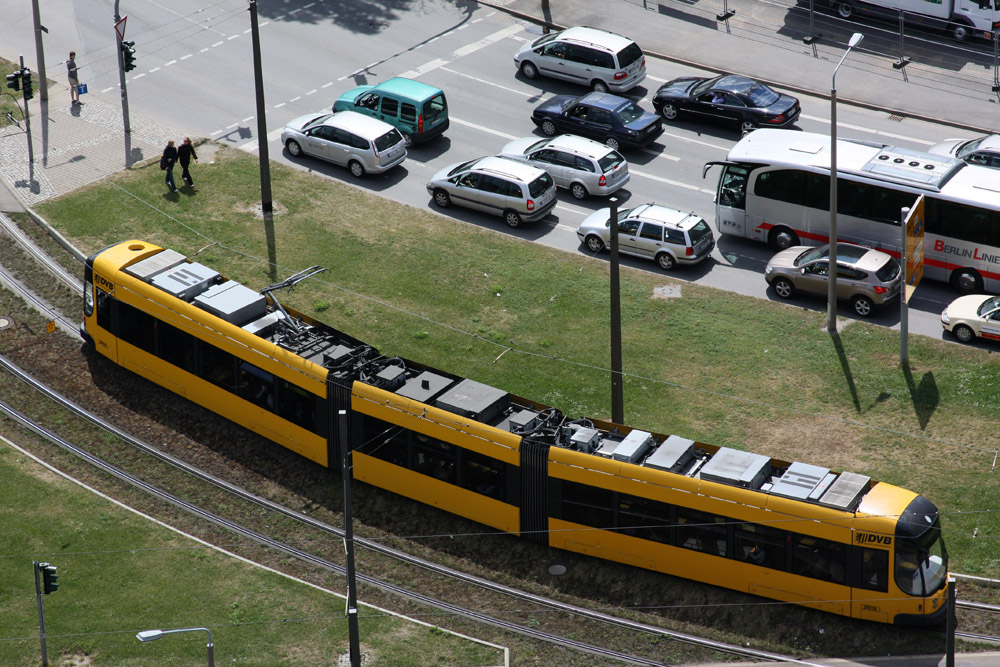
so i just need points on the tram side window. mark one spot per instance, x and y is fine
(434, 458)
(587, 505)
(701, 531)
(483, 474)
(818, 558)
(176, 347)
(104, 302)
(136, 327)
(256, 385)
(217, 367)
(873, 567)
(761, 545)
(644, 518)
(385, 441)
(296, 405)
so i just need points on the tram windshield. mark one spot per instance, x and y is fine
(922, 563)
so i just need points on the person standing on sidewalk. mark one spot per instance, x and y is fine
(167, 163)
(184, 154)
(74, 78)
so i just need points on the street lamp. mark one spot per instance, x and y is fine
(831, 295)
(153, 635)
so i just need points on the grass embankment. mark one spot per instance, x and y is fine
(119, 574)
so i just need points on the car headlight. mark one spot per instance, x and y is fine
(944, 316)
(768, 270)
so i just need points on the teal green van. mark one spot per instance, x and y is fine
(419, 111)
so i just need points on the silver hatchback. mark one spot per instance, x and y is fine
(514, 190)
(362, 144)
(582, 166)
(867, 278)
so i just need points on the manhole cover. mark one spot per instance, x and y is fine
(557, 569)
(667, 292)
(5, 322)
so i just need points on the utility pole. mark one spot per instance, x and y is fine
(352, 593)
(27, 121)
(43, 86)
(266, 205)
(617, 395)
(119, 36)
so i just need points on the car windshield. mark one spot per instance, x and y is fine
(545, 39)
(703, 86)
(540, 185)
(812, 254)
(541, 143)
(989, 305)
(610, 161)
(699, 231)
(968, 147)
(622, 214)
(888, 271)
(388, 140)
(628, 113)
(629, 55)
(318, 120)
(464, 166)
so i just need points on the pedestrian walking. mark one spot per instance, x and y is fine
(184, 154)
(167, 163)
(74, 78)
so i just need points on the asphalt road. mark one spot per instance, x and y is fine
(195, 72)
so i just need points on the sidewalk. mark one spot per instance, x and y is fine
(72, 147)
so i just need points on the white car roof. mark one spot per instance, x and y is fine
(502, 165)
(358, 123)
(580, 145)
(605, 38)
(665, 215)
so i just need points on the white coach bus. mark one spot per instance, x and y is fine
(775, 187)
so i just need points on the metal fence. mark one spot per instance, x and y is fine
(896, 46)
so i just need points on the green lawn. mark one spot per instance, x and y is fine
(119, 574)
(711, 365)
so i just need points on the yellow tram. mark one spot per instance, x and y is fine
(790, 531)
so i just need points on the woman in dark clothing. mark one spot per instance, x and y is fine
(167, 162)
(184, 154)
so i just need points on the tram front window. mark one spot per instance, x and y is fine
(921, 568)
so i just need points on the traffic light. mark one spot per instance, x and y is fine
(50, 578)
(128, 55)
(26, 83)
(14, 81)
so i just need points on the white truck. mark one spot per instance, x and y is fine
(961, 18)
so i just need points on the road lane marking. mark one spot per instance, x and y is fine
(880, 133)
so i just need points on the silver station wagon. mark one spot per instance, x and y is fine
(362, 144)
(514, 190)
(665, 235)
(582, 166)
(601, 60)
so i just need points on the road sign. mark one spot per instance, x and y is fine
(120, 28)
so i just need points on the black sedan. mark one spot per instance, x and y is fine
(730, 98)
(616, 121)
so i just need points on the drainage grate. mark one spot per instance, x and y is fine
(896, 118)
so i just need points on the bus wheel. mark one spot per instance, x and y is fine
(782, 237)
(967, 281)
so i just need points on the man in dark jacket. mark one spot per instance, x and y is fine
(167, 162)
(184, 154)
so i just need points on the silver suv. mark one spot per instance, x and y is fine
(362, 144)
(596, 58)
(517, 191)
(868, 278)
(666, 235)
(582, 166)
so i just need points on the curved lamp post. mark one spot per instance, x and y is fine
(153, 635)
(831, 295)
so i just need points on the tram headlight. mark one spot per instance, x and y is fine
(88, 299)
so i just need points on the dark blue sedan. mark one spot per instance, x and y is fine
(616, 121)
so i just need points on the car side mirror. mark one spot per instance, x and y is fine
(802, 271)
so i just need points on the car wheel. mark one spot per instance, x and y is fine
(611, 143)
(407, 140)
(357, 169)
(512, 218)
(548, 128)
(959, 32)
(964, 333)
(578, 191)
(441, 198)
(669, 111)
(966, 281)
(666, 261)
(293, 148)
(529, 70)
(783, 287)
(862, 305)
(594, 244)
(599, 86)
(746, 127)
(845, 10)
(782, 237)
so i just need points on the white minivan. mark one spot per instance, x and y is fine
(601, 60)
(362, 144)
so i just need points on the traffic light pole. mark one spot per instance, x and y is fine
(121, 83)
(27, 124)
(41, 612)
